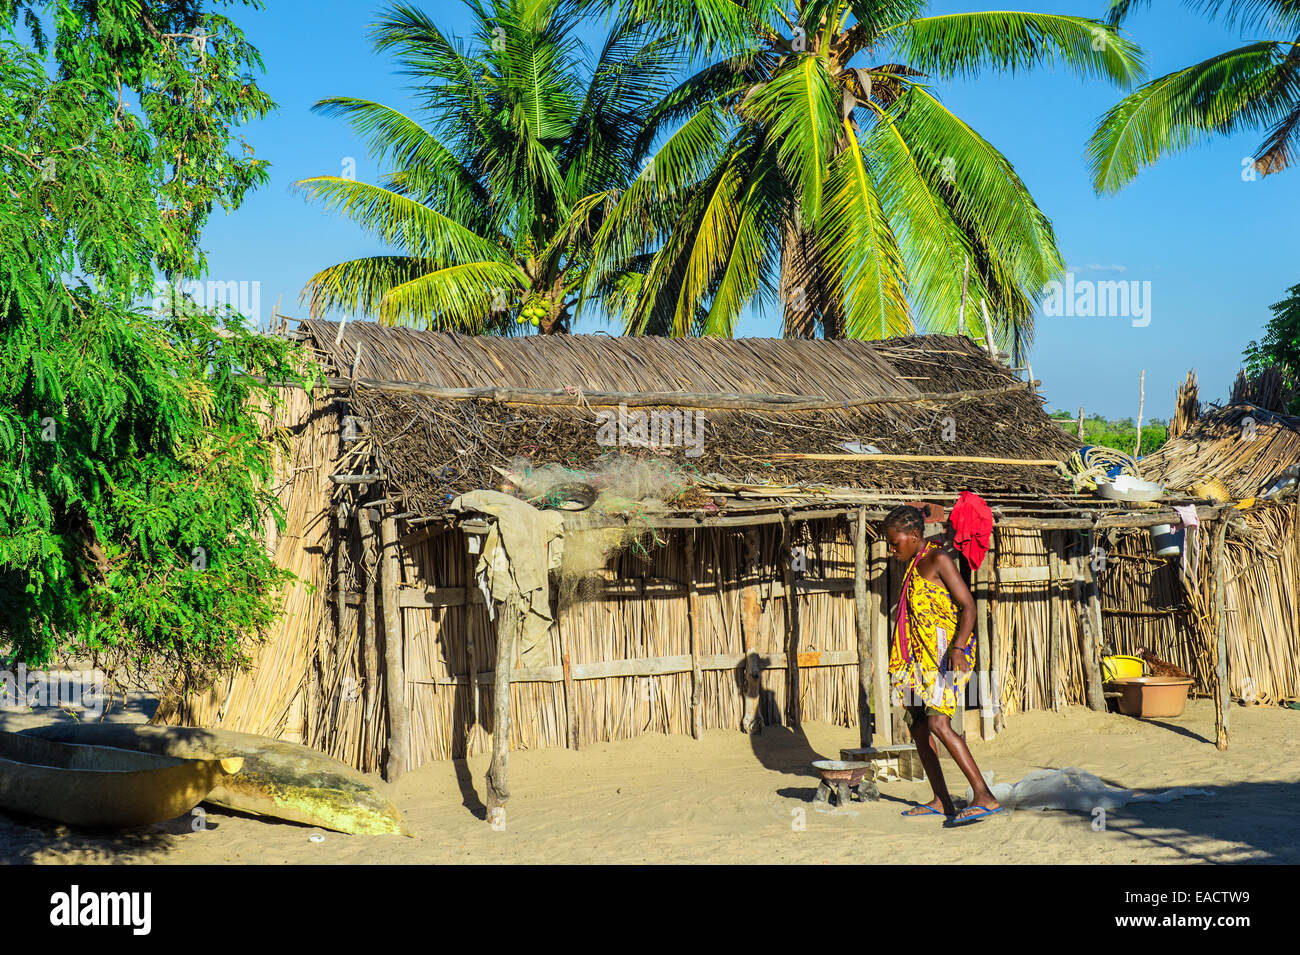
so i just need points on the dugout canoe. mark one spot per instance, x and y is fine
(100, 786)
(281, 780)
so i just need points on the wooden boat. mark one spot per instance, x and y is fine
(100, 786)
(279, 779)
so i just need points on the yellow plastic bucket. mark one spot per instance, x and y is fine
(1120, 667)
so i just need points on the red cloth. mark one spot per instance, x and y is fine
(972, 527)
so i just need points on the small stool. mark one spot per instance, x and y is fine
(844, 777)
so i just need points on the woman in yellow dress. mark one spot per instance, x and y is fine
(930, 660)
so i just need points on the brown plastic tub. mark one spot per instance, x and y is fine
(1152, 696)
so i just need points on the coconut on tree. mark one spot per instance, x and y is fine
(810, 160)
(522, 142)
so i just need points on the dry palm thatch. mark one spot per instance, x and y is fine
(1243, 446)
(1187, 407)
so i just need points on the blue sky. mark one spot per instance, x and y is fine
(1216, 250)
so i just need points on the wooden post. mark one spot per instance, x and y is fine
(1098, 634)
(340, 580)
(1053, 625)
(692, 626)
(961, 309)
(1090, 633)
(471, 651)
(998, 678)
(1221, 689)
(370, 620)
(751, 721)
(988, 331)
(1142, 397)
(984, 647)
(570, 701)
(878, 610)
(1080, 423)
(395, 677)
(792, 635)
(509, 620)
(862, 608)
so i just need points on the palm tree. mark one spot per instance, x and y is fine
(490, 206)
(1255, 86)
(811, 159)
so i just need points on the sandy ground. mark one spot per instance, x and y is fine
(730, 798)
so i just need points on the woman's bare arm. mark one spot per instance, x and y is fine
(948, 572)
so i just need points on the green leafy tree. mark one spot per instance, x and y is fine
(810, 159)
(491, 200)
(1256, 86)
(134, 463)
(1279, 349)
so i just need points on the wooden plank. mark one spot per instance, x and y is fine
(1024, 575)
(429, 598)
(394, 674)
(651, 666)
(862, 614)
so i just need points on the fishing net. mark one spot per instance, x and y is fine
(610, 509)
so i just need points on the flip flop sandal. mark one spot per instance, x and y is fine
(929, 811)
(980, 813)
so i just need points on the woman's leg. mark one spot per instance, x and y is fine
(940, 726)
(924, 740)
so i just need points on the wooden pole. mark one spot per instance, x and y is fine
(876, 458)
(998, 678)
(509, 620)
(961, 309)
(1221, 690)
(792, 634)
(471, 651)
(570, 699)
(370, 636)
(984, 657)
(670, 399)
(878, 609)
(395, 677)
(862, 607)
(750, 722)
(692, 626)
(1053, 624)
(1142, 397)
(988, 333)
(1080, 423)
(1098, 631)
(1089, 638)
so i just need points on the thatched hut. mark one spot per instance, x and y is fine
(758, 593)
